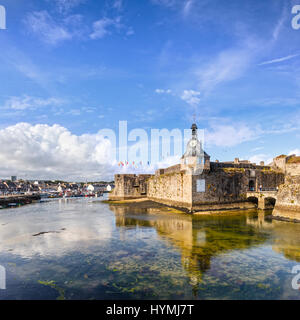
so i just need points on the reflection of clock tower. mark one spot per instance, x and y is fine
(195, 156)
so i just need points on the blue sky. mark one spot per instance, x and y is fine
(78, 66)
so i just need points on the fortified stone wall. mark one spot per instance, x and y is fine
(269, 179)
(231, 184)
(293, 169)
(288, 199)
(172, 169)
(219, 165)
(290, 165)
(130, 186)
(172, 188)
(280, 162)
(227, 185)
(220, 187)
(177, 188)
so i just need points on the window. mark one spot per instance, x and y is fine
(200, 186)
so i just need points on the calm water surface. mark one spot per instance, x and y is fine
(85, 249)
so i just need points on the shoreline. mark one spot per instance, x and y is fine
(146, 203)
(17, 200)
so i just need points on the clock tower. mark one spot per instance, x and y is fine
(195, 158)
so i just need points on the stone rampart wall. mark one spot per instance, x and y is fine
(174, 187)
(288, 199)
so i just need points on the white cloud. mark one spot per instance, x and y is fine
(105, 26)
(30, 103)
(130, 31)
(75, 112)
(230, 135)
(295, 151)
(64, 6)
(161, 91)
(118, 4)
(51, 152)
(166, 3)
(280, 23)
(187, 7)
(257, 149)
(183, 6)
(277, 101)
(261, 157)
(191, 97)
(101, 27)
(49, 31)
(54, 30)
(279, 59)
(227, 66)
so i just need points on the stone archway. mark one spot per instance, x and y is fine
(270, 202)
(253, 200)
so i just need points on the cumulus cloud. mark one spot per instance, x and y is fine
(30, 103)
(52, 152)
(191, 97)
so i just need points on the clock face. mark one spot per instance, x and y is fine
(193, 143)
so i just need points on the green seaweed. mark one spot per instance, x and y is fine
(52, 284)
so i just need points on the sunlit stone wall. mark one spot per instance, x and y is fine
(129, 186)
(288, 199)
(171, 188)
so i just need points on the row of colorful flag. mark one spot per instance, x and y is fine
(133, 163)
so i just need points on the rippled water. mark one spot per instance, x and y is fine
(85, 249)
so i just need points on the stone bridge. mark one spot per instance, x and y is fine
(264, 199)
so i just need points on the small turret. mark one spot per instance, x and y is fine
(195, 157)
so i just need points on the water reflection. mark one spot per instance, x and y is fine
(60, 227)
(198, 238)
(144, 251)
(287, 239)
(285, 235)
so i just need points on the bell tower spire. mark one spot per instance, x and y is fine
(194, 131)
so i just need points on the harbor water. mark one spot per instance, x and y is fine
(87, 249)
